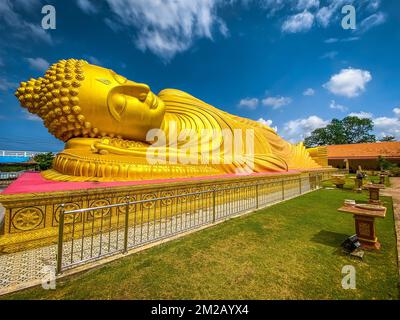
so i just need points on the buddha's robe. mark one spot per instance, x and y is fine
(271, 152)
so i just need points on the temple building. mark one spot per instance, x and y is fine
(365, 155)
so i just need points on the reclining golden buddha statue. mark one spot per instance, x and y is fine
(104, 120)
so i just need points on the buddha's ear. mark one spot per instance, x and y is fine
(116, 105)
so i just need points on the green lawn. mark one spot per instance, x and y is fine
(288, 251)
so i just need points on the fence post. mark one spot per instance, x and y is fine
(283, 190)
(257, 196)
(60, 238)
(213, 205)
(126, 225)
(300, 184)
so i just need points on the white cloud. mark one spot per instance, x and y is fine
(373, 20)
(27, 5)
(325, 15)
(6, 85)
(18, 27)
(30, 116)
(335, 106)
(388, 126)
(298, 130)
(307, 4)
(37, 32)
(350, 39)
(374, 4)
(300, 22)
(348, 82)
(385, 122)
(94, 60)
(335, 40)
(267, 123)
(396, 111)
(167, 27)
(330, 55)
(272, 6)
(331, 40)
(249, 103)
(361, 115)
(87, 6)
(330, 13)
(38, 64)
(309, 92)
(276, 102)
(383, 126)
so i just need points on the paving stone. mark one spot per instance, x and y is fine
(394, 192)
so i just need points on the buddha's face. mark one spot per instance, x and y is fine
(118, 106)
(77, 99)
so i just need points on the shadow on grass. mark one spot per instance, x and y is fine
(329, 238)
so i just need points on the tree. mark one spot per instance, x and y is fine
(385, 164)
(347, 131)
(388, 139)
(44, 160)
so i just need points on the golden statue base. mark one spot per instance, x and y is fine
(31, 218)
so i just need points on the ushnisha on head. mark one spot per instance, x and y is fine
(77, 99)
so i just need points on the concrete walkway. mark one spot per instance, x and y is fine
(394, 192)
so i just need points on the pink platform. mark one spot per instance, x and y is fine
(33, 182)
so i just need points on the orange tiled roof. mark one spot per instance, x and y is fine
(364, 150)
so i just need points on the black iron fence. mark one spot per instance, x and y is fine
(93, 233)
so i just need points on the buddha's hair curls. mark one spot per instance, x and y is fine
(54, 98)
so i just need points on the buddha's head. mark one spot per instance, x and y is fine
(78, 99)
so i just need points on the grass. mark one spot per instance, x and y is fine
(288, 251)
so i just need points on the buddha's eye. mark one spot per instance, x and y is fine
(120, 79)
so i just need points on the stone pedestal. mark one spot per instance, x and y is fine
(374, 193)
(338, 180)
(382, 178)
(365, 225)
(365, 229)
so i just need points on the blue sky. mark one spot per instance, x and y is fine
(288, 63)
